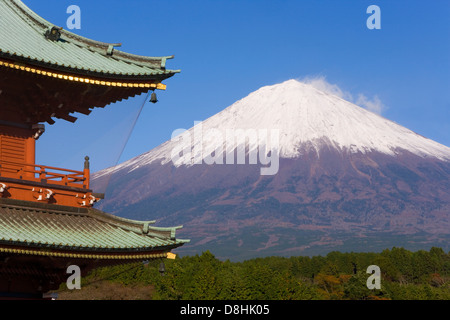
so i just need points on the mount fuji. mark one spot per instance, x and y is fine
(341, 178)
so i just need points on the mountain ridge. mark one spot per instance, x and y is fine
(392, 185)
(315, 134)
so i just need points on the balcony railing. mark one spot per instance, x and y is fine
(45, 174)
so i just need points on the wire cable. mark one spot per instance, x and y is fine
(108, 178)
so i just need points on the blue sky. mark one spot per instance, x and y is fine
(227, 49)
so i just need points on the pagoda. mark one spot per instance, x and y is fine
(47, 218)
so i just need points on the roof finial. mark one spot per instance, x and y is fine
(111, 47)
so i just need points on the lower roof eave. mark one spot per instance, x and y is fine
(92, 254)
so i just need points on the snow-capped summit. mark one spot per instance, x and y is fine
(304, 114)
(306, 119)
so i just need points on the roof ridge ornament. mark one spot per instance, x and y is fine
(53, 33)
(111, 47)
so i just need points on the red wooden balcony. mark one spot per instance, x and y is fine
(44, 174)
(32, 182)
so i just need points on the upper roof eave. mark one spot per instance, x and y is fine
(143, 76)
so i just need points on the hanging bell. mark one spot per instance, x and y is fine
(162, 268)
(153, 98)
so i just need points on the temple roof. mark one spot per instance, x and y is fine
(47, 72)
(74, 231)
(25, 36)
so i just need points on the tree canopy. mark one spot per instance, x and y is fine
(404, 275)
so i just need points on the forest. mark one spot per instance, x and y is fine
(405, 275)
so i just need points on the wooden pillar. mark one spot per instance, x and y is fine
(86, 172)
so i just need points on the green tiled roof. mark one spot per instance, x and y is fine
(22, 37)
(26, 224)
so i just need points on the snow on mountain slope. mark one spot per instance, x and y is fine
(307, 120)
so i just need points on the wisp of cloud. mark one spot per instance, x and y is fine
(374, 105)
